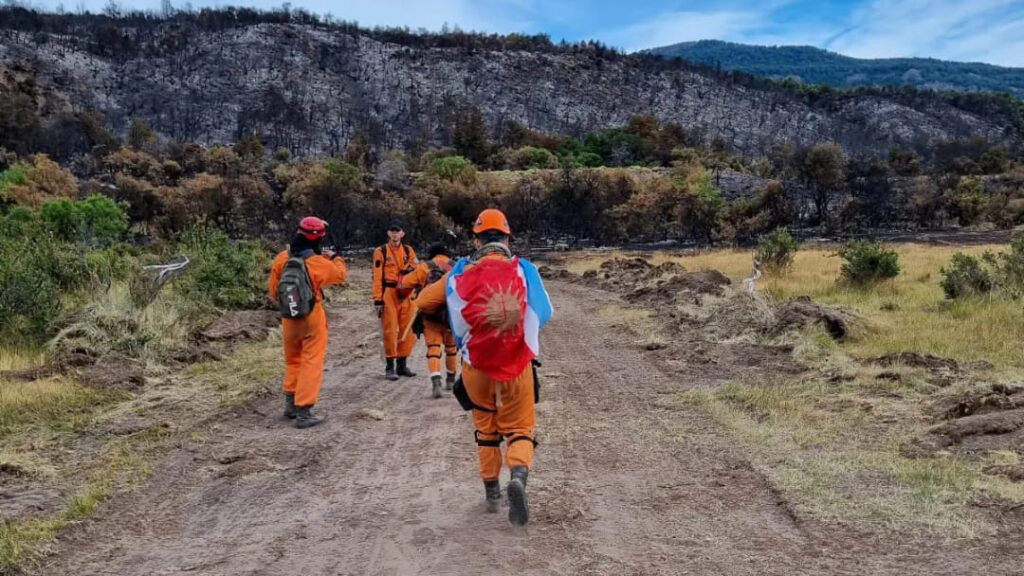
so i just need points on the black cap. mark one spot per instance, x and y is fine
(396, 224)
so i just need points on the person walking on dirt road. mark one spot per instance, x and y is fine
(496, 306)
(436, 332)
(297, 279)
(391, 263)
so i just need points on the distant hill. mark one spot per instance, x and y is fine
(311, 86)
(816, 66)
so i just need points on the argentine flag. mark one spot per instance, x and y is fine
(496, 308)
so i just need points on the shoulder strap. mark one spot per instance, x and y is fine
(383, 265)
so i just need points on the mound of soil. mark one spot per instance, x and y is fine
(740, 313)
(801, 312)
(686, 284)
(916, 360)
(1014, 472)
(114, 372)
(240, 326)
(979, 420)
(995, 398)
(549, 273)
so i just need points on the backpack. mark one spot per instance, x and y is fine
(295, 294)
(491, 303)
(436, 272)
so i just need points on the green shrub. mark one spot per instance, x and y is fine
(223, 273)
(16, 175)
(36, 271)
(95, 221)
(453, 169)
(868, 262)
(776, 250)
(529, 157)
(1008, 267)
(965, 276)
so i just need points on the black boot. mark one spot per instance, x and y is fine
(435, 382)
(518, 507)
(402, 369)
(449, 381)
(492, 490)
(304, 417)
(289, 405)
(389, 370)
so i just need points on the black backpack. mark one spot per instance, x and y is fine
(295, 294)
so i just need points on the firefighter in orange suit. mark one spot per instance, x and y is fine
(305, 339)
(436, 332)
(503, 409)
(391, 263)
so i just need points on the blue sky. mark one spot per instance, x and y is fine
(971, 30)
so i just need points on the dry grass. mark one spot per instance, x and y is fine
(908, 313)
(827, 451)
(242, 375)
(832, 440)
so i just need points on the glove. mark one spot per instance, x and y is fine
(379, 306)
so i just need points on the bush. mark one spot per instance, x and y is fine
(95, 221)
(775, 251)
(36, 271)
(1008, 268)
(868, 262)
(453, 169)
(528, 158)
(222, 273)
(965, 276)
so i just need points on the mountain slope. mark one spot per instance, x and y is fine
(816, 66)
(311, 87)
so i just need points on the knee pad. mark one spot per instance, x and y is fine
(489, 442)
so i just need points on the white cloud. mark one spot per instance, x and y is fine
(950, 29)
(674, 27)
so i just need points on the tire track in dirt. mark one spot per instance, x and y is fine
(624, 483)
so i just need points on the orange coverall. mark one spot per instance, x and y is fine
(436, 334)
(513, 417)
(398, 310)
(305, 339)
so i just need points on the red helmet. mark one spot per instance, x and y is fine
(313, 228)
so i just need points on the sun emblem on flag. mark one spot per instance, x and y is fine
(502, 310)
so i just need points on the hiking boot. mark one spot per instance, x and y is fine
(518, 507)
(304, 417)
(389, 370)
(402, 369)
(492, 490)
(289, 405)
(436, 383)
(449, 382)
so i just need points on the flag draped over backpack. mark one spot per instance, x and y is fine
(496, 308)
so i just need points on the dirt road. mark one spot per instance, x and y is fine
(624, 483)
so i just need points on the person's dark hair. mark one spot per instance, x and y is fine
(437, 249)
(490, 236)
(300, 244)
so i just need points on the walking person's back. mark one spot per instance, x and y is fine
(496, 306)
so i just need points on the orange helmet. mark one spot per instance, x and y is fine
(489, 220)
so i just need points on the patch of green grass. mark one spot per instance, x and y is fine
(120, 464)
(55, 405)
(239, 377)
